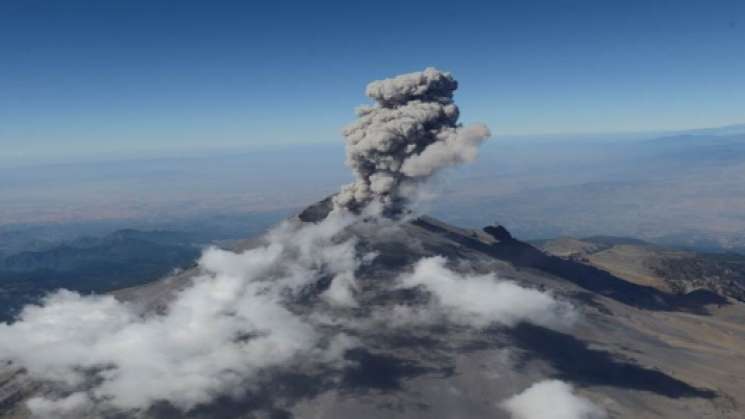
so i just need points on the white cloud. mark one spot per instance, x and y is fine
(213, 339)
(73, 406)
(480, 300)
(551, 399)
(236, 320)
(341, 291)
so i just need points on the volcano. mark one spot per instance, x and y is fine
(358, 307)
(634, 351)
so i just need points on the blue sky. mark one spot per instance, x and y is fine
(78, 79)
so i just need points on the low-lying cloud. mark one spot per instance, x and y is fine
(213, 339)
(482, 300)
(551, 399)
(238, 318)
(265, 308)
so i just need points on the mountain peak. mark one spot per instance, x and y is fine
(434, 306)
(499, 232)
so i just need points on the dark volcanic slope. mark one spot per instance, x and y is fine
(637, 351)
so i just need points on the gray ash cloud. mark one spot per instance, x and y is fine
(406, 137)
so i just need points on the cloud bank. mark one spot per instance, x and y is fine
(409, 134)
(265, 309)
(216, 335)
(241, 316)
(483, 300)
(551, 399)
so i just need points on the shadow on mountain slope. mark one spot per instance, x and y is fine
(367, 372)
(576, 362)
(590, 278)
(523, 255)
(381, 372)
(267, 400)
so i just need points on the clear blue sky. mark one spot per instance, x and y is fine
(81, 79)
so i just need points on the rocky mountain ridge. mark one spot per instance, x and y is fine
(666, 269)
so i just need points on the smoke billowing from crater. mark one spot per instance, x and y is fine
(243, 316)
(407, 136)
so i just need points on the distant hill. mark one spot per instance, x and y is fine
(678, 190)
(724, 130)
(667, 269)
(113, 251)
(123, 258)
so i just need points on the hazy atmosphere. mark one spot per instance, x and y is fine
(399, 210)
(131, 113)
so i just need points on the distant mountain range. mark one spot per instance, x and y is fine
(673, 188)
(121, 259)
(682, 190)
(723, 130)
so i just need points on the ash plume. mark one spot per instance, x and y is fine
(406, 137)
(246, 315)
